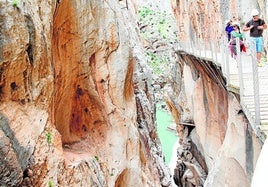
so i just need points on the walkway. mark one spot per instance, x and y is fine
(248, 83)
(243, 77)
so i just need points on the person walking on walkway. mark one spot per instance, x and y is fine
(256, 26)
(228, 28)
(236, 33)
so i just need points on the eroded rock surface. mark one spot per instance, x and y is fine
(216, 136)
(75, 110)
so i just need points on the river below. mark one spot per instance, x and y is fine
(167, 136)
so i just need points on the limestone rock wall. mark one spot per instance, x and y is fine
(221, 139)
(76, 104)
(204, 19)
(26, 81)
(216, 139)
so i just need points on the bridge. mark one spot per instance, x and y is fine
(243, 77)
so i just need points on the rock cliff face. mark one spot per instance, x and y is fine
(76, 105)
(216, 138)
(204, 19)
(217, 141)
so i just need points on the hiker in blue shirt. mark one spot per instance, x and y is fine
(228, 29)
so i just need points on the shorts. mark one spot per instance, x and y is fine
(258, 42)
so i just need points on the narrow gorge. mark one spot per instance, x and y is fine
(80, 82)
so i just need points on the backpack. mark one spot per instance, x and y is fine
(260, 22)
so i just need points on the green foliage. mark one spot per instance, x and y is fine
(50, 183)
(157, 21)
(97, 158)
(15, 3)
(157, 62)
(112, 172)
(162, 28)
(157, 25)
(144, 12)
(49, 137)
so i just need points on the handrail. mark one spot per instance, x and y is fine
(255, 86)
(218, 52)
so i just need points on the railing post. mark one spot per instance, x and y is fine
(214, 48)
(222, 57)
(195, 47)
(216, 51)
(226, 48)
(211, 49)
(189, 46)
(199, 47)
(205, 48)
(255, 83)
(192, 48)
(240, 69)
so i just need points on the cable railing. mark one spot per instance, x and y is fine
(242, 74)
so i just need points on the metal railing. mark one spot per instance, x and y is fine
(241, 73)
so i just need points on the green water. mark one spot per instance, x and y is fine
(167, 137)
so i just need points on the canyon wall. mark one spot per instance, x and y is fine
(217, 142)
(204, 19)
(77, 104)
(76, 100)
(216, 139)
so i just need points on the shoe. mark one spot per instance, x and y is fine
(259, 64)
